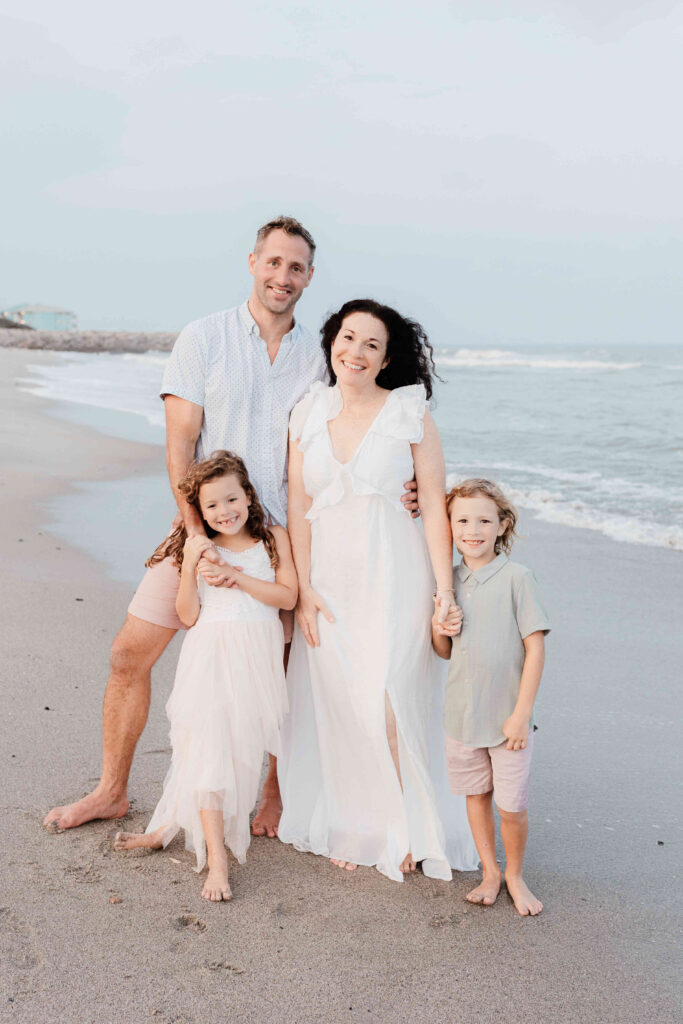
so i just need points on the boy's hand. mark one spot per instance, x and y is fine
(516, 730)
(452, 624)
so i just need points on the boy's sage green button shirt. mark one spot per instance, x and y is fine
(501, 606)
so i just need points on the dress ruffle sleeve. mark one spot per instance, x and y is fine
(404, 414)
(310, 415)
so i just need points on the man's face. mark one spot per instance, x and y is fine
(281, 271)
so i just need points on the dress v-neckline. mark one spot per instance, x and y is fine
(363, 438)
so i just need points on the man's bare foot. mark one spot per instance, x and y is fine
(486, 892)
(268, 814)
(216, 887)
(408, 864)
(346, 864)
(98, 804)
(525, 902)
(138, 840)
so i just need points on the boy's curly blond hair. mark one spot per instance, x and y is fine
(506, 510)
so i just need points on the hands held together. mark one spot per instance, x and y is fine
(200, 555)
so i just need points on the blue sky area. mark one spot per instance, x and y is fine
(507, 172)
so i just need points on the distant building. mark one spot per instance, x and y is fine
(43, 318)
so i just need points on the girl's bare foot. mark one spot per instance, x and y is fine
(346, 864)
(408, 864)
(487, 890)
(216, 887)
(525, 902)
(138, 840)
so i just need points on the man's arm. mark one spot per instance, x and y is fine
(183, 426)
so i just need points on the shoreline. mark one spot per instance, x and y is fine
(603, 843)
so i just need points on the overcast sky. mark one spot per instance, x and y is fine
(506, 171)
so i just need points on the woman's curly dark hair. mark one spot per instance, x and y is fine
(221, 463)
(410, 355)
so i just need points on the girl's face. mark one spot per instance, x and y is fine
(476, 527)
(359, 350)
(224, 504)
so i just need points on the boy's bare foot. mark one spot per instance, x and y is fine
(96, 805)
(137, 840)
(486, 892)
(216, 887)
(525, 902)
(346, 864)
(268, 813)
(408, 864)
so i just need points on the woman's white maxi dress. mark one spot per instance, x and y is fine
(369, 562)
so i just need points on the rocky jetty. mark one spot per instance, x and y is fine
(88, 341)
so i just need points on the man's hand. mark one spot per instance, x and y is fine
(516, 730)
(409, 498)
(215, 571)
(306, 611)
(193, 550)
(452, 624)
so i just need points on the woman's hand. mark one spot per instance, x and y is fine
(452, 624)
(193, 550)
(306, 611)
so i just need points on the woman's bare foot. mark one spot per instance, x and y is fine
(99, 804)
(138, 840)
(486, 892)
(268, 814)
(346, 864)
(525, 902)
(408, 864)
(216, 887)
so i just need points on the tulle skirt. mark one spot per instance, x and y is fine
(227, 704)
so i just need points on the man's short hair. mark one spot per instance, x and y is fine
(290, 226)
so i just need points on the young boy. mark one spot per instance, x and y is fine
(495, 669)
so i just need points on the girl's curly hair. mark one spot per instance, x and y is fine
(221, 463)
(506, 510)
(410, 355)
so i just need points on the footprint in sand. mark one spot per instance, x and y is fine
(189, 921)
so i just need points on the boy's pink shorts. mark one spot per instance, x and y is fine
(154, 600)
(475, 770)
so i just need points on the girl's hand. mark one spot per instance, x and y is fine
(306, 611)
(218, 574)
(516, 730)
(193, 550)
(452, 624)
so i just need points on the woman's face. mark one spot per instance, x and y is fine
(359, 350)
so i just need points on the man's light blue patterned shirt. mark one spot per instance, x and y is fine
(221, 363)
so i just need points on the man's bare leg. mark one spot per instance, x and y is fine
(135, 650)
(269, 810)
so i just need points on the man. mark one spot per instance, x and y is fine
(231, 382)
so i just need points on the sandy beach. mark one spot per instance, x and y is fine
(93, 937)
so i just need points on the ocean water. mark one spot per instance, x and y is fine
(591, 439)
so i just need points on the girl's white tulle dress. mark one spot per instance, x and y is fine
(227, 704)
(369, 562)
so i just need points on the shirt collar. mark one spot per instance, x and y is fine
(252, 328)
(485, 573)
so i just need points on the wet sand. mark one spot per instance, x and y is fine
(303, 942)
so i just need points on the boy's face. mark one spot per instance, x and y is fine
(476, 527)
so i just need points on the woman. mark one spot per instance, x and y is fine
(354, 775)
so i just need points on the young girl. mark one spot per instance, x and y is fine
(495, 670)
(229, 695)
